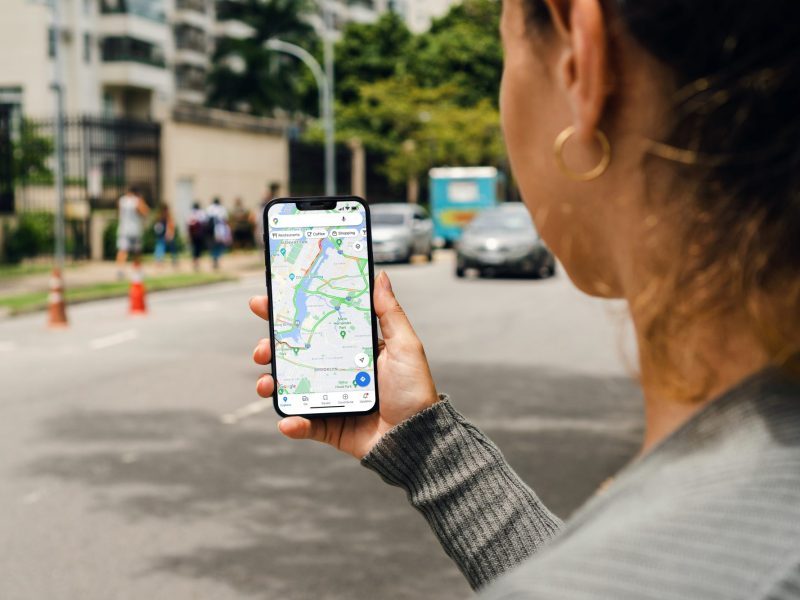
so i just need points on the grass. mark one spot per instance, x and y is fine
(21, 270)
(34, 301)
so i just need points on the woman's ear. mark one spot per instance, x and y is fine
(583, 65)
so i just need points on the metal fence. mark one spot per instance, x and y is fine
(6, 162)
(307, 173)
(102, 158)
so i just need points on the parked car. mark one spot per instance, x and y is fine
(504, 241)
(399, 231)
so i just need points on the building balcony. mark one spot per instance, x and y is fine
(133, 26)
(191, 39)
(129, 62)
(191, 57)
(117, 49)
(152, 10)
(199, 6)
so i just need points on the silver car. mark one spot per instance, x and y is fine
(504, 241)
(399, 231)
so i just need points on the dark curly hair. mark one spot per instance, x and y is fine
(734, 137)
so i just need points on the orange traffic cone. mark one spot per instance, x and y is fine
(57, 309)
(137, 292)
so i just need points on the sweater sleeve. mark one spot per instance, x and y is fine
(485, 517)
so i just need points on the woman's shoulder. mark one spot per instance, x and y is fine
(712, 512)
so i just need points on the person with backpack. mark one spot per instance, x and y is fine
(198, 229)
(219, 230)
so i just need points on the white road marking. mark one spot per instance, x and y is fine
(245, 412)
(7, 346)
(114, 340)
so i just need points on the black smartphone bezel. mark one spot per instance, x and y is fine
(321, 203)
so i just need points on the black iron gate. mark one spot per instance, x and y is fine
(6, 161)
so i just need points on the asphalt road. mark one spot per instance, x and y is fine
(136, 461)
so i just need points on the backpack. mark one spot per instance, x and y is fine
(196, 228)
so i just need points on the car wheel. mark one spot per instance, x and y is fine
(460, 272)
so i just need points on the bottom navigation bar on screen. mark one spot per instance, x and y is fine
(327, 400)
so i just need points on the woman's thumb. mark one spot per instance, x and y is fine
(392, 317)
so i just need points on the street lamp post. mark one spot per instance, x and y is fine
(324, 80)
(58, 89)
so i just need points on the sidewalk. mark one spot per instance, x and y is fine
(89, 273)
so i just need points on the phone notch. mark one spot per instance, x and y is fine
(317, 204)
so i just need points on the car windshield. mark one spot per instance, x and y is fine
(388, 218)
(515, 222)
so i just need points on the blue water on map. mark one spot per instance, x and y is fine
(295, 335)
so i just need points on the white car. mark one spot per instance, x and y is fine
(400, 231)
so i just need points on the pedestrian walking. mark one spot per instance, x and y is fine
(131, 210)
(198, 233)
(242, 225)
(219, 230)
(164, 229)
(656, 146)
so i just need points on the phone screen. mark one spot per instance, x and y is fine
(321, 306)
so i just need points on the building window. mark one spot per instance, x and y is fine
(51, 42)
(194, 5)
(87, 48)
(188, 37)
(190, 78)
(128, 49)
(147, 9)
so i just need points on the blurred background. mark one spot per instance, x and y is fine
(139, 141)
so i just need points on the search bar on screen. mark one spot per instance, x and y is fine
(317, 220)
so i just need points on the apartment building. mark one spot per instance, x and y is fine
(122, 58)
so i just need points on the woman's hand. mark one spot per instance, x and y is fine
(405, 383)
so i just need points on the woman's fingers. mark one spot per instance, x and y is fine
(327, 431)
(262, 355)
(394, 323)
(260, 306)
(298, 428)
(265, 386)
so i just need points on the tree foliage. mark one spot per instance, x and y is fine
(417, 128)
(32, 153)
(370, 52)
(247, 77)
(422, 101)
(462, 49)
(426, 100)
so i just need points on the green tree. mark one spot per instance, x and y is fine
(462, 49)
(247, 77)
(32, 153)
(420, 128)
(369, 53)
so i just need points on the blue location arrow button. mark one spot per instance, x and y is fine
(363, 379)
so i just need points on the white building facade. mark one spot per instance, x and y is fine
(122, 58)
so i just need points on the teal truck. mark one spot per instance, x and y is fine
(457, 194)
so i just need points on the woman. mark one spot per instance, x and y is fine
(164, 229)
(656, 145)
(132, 211)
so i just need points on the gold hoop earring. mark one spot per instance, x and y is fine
(599, 170)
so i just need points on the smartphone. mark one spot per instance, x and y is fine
(320, 280)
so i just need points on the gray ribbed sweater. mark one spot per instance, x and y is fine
(712, 512)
